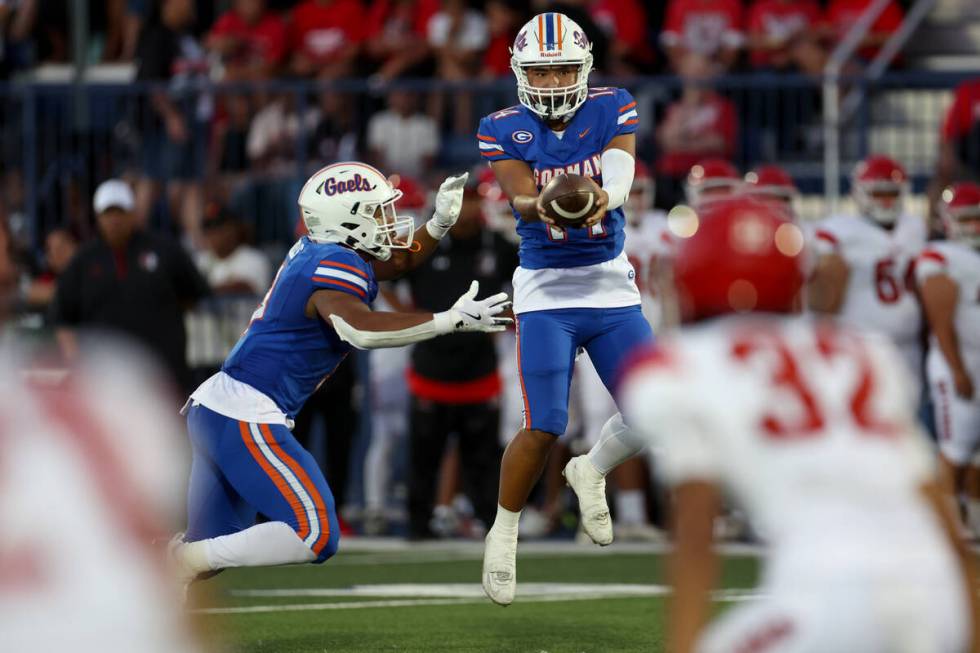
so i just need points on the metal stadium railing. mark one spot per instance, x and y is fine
(59, 140)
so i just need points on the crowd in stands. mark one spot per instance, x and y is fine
(450, 39)
(209, 162)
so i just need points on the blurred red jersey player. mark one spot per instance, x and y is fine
(810, 428)
(326, 35)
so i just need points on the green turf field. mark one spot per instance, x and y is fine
(393, 597)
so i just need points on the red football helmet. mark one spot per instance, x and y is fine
(879, 186)
(960, 211)
(709, 181)
(744, 256)
(771, 183)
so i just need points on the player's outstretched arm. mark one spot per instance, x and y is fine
(825, 292)
(356, 324)
(517, 182)
(449, 201)
(693, 565)
(939, 296)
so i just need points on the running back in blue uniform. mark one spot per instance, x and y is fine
(285, 354)
(516, 133)
(242, 467)
(245, 459)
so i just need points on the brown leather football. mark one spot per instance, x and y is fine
(569, 200)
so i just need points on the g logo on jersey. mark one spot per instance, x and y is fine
(521, 136)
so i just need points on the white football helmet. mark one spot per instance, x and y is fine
(552, 39)
(353, 204)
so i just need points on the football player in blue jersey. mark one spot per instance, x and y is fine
(575, 287)
(245, 460)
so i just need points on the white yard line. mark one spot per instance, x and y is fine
(374, 551)
(455, 594)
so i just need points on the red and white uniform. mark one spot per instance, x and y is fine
(878, 295)
(811, 429)
(89, 475)
(957, 419)
(648, 244)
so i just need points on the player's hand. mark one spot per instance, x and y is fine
(470, 314)
(542, 214)
(964, 384)
(600, 210)
(449, 201)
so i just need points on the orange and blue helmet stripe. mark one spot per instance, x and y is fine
(550, 31)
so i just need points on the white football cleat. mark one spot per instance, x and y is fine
(590, 488)
(500, 568)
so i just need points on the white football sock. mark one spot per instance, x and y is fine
(616, 444)
(506, 521)
(262, 545)
(631, 507)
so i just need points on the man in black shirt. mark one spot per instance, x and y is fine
(130, 282)
(174, 122)
(453, 380)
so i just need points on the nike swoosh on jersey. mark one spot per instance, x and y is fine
(584, 132)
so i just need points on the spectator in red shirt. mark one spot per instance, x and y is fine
(699, 125)
(625, 23)
(250, 39)
(842, 14)
(784, 35)
(504, 19)
(712, 28)
(396, 37)
(959, 149)
(327, 36)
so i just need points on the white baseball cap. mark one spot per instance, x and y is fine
(113, 192)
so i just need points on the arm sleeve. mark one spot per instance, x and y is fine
(493, 145)
(342, 272)
(618, 168)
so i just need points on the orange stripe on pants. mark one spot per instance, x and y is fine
(304, 479)
(278, 480)
(520, 376)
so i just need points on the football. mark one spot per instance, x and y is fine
(569, 200)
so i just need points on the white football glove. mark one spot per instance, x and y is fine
(449, 201)
(469, 314)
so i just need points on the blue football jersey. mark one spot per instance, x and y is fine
(285, 354)
(517, 133)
